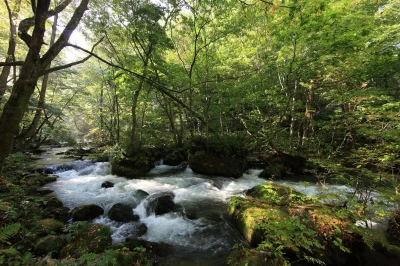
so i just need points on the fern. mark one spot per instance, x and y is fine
(314, 260)
(8, 231)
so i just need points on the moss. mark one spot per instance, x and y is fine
(87, 238)
(288, 225)
(50, 245)
(243, 256)
(278, 195)
(48, 226)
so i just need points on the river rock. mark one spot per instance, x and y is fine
(131, 168)
(50, 243)
(53, 202)
(141, 194)
(141, 229)
(86, 212)
(210, 164)
(160, 203)
(107, 184)
(122, 213)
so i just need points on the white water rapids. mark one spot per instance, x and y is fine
(207, 231)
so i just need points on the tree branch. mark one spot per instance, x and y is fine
(16, 63)
(62, 41)
(156, 85)
(50, 70)
(28, 23)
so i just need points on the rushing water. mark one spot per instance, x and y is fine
(200, 231)
(202, 228)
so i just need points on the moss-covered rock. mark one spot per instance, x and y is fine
(51, 244)
(86, 212)
(48, 226)
(87, 238)
(279, 220)
(132, 168)
(218, 165)
(53, 202)
(278, 195)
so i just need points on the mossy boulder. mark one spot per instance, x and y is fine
(48, 226)
(278, 194)
(132, 168)
(53, 202)
(86, 212)
(122, 213)
(274, 217)
(87, 238)
(217, 165)
(51, 244)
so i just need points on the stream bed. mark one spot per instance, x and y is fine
(203, 239)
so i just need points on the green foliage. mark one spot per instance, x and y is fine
(293, 234)
(87, 238)
(114, 257)
(9, 231)
(12, 257)
(49, 226)
(279, 195)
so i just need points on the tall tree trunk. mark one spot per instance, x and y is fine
(307, 127)
(132, 140)
(292, 114)
(12, 41)
(135, 97)
(28, 134)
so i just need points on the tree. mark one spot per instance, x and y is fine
(12, 43)
(34, 66)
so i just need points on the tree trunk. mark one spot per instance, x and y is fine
(28, 134)
(292, 114)
(31, 70)
(12, 41)
(307, 127)
(132, 140)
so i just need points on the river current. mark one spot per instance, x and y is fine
(201, 232)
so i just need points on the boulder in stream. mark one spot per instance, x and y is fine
(122, 213)
(86, 212)
(107, 184)
(160, 203)
(212, 164)
(132, 167)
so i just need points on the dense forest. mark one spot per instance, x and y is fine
(307, 90)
